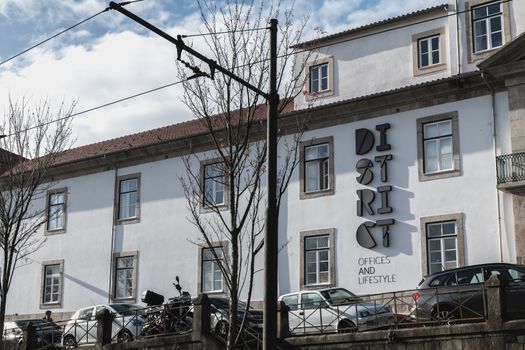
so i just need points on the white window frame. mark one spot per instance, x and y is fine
(325, 169)
(429, 52)
(438, 140)
(487, 21)
(316, 253)
(322, 165)
(128, 194)
(216, 181)
(62, 211)
(134, 255)
(56, 297)
(215, 268)
(458, 220)
(329, 234)
(319, 82)
(442, 238)
(118, 282)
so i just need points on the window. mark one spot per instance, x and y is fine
(311, 301)
(214, 193)
(56, 210)
(428, 49)
(442, 243)
(317, 258)
(487, 26)
(317, 168)
(52, 283)
(125, 276)
(438, 146)
(128, 198)
(319, 78)
(291, 301)
(442, 246)
(211, 278)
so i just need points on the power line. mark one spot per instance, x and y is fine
(224, 32)
(94, 108)
(63, 31)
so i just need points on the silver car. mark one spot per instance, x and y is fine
(333, 310)
(82, 328)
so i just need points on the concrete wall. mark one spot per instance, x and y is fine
(473, 193)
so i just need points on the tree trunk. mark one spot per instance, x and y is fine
(3, 302)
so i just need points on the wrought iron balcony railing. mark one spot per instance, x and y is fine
(510, 167)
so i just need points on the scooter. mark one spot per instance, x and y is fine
(175, 316)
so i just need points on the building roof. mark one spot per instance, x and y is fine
(8, 159)
(157, 136)
(316, 42)
(197, 127)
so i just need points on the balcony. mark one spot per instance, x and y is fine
(510, 170)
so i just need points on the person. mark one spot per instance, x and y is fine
(47, 316)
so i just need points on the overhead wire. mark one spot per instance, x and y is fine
(93, 108)
(455, 13)
(63, 31)
(225, 32)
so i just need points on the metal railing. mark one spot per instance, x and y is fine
(403, 309)
(249, 337)
(513, 294)
(510, 167)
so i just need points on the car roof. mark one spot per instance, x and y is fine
(473, 266)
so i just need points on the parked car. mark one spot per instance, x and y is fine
(458, 293)
(82, 328)
(47, 333)
(220, 314)
(333, 310)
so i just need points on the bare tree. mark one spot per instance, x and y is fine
(225, 196)
(30, 145)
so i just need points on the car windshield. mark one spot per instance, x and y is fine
(339, 296)
(127, 309)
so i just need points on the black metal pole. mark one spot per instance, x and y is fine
(270, 234)
(182, 46)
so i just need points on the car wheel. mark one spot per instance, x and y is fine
(124, 336)
(221, 329)
(346, 326)
(70, 342)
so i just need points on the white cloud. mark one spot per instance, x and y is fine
(116, 66)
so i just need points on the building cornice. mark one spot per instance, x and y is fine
(389, 103)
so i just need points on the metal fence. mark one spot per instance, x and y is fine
(250, 335)
(403, 309)
(513, 294)
(510, 167)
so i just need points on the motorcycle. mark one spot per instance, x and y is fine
(175, 316)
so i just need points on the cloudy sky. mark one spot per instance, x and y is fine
(111, 57)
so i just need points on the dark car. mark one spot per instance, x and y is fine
(460, 294)
(220, 314)
(47, 333)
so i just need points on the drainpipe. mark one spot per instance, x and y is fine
(112, 232)
(458, 43)
(494, 134)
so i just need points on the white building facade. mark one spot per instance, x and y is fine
(401, 174)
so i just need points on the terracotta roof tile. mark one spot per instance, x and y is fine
(164, 134)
